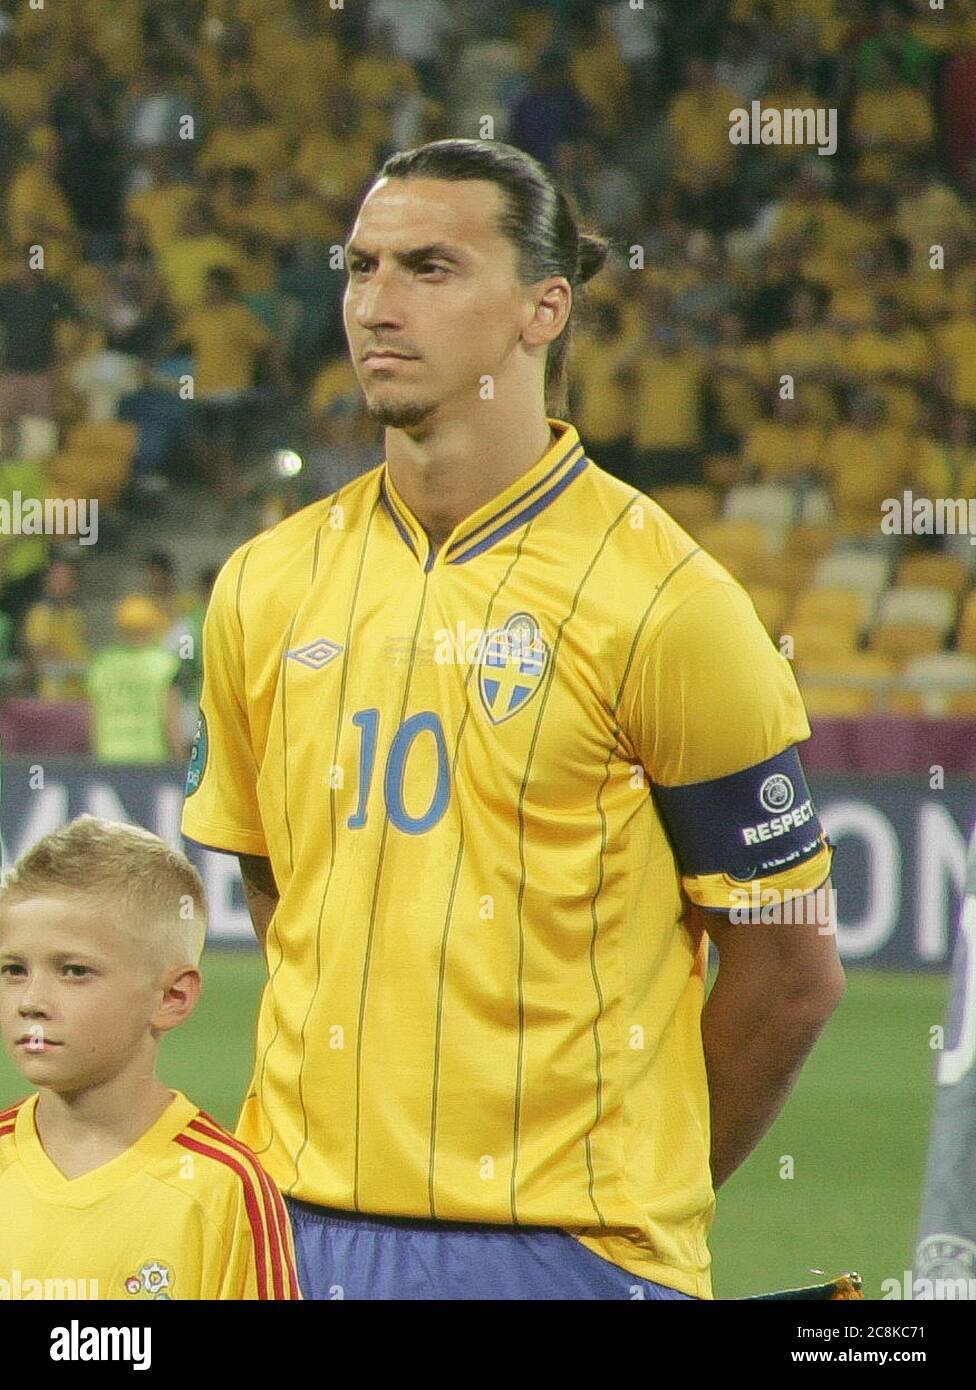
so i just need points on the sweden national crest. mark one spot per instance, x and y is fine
(513, 661)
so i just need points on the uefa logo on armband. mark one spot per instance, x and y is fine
(776, 793)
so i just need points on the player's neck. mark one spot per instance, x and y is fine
(454, 466)
(83, 1130)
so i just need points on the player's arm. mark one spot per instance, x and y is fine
(260, 891)
(776, 987)
(258, 1259)
(174, 723)
(713, 712)
(221, 809)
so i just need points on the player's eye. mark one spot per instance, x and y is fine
(357, 265)
(431, 267)
(77, 972)
(11, 967)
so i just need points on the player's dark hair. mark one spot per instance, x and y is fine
(537, 219)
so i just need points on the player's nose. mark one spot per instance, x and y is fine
(375, 305)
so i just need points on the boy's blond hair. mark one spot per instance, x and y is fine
(153, 893)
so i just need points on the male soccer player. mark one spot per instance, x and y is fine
(490, 733)
(112, 1186)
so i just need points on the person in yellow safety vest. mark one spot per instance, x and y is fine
(135, 702)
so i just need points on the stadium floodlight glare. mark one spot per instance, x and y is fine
(288, 463)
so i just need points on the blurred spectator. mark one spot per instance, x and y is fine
(739, 372)
(171, 604)
(344, 446)
(638, 36)
(24, 87)
(551, 113)
(192, 253)
(698, 124)
(743, 63)
(605, 193)
(185, 640)
(89, 172)
(54, 637)
(245, 137)
(957, 348)
(808, 351)
(419, 31)
(893, 359)
(894, 42)
(228, 343)
(159, 103)
(23, 558)
(787, 446)
(865, 460)
(158, 200)
(38, 213)
(164, 422)
(890, 119)
(133, 692)
(315, 292)
(31, 304)
(667, 411)
(929, 213)
(601, 403)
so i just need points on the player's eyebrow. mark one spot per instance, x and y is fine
(434, 251)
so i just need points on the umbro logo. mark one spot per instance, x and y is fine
(316, 654)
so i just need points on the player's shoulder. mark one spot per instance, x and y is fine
(224, 1170)
(8, 1125)
(651, 550)
(292, 544)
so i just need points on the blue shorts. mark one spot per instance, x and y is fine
(345, 1255)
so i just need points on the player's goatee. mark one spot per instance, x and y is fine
(400, 414)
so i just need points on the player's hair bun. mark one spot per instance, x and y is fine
(591, 255)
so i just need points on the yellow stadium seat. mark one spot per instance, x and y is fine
(961, 705)
(96, 460)
(913, 620)
(771, 604)
(827, 701)
(786, 571)
(689, 504)
(810, 539)
(902, 641)
(733, 544)
(830, 606)
(815, 643)
(941, 571)
(844, 682)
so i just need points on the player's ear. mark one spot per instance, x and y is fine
(180, 991)
(548, 311)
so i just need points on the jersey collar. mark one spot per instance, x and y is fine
(523, 499)
(48, 1180)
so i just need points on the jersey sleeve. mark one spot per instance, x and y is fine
(711, 710)
(260, 1262)
(221, 807)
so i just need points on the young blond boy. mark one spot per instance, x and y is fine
(113, 1186)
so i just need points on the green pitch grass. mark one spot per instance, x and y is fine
(856, 1127)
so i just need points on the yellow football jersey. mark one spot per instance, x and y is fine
(186, 1212)
(483, 999)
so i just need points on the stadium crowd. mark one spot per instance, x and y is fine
(782, 341)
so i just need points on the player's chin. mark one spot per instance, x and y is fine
(395, 410)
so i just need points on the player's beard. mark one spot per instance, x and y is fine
(399, 415)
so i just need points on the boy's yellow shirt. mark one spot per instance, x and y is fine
(186, 1213)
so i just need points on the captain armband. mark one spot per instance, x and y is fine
(751, 828)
